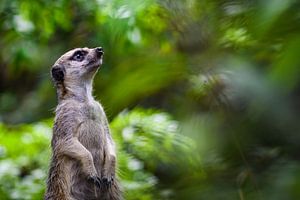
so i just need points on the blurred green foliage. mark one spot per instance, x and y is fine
(25, 151)
(223, 77)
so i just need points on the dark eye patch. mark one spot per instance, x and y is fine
(78, 55)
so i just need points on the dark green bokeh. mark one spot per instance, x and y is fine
(202, 95)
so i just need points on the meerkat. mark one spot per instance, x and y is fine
(83, 153)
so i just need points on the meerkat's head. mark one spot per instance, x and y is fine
(77, 66)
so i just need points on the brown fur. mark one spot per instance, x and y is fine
(83, 153)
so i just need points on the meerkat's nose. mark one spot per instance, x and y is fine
(99, 51)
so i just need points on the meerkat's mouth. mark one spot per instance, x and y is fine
(95, 63)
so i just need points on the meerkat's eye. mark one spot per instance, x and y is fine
(78, 56)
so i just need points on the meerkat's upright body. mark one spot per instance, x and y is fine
(83, 153)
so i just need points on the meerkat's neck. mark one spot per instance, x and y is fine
(81, 91)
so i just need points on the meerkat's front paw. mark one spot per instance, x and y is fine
(96, 180)
(107, 181)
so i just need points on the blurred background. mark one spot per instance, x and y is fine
(203, 96)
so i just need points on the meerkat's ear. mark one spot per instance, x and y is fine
(58, 73)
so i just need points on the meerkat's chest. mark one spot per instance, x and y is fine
(94, 112)
(91, 131)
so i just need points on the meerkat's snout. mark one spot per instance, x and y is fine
(98, 56)
(99, 51)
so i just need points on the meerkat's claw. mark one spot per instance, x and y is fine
(96, 180)
(107, 181)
